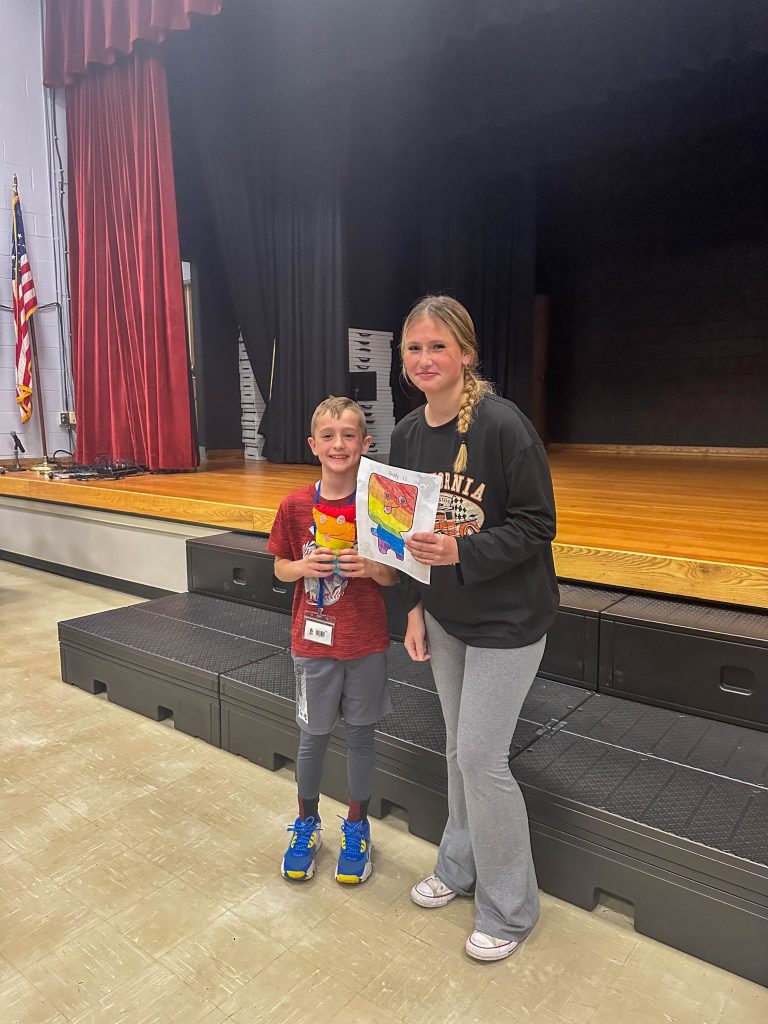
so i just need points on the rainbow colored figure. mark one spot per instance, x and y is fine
(391, 506)
(334, 526)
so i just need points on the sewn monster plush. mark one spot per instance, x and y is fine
(334, 527)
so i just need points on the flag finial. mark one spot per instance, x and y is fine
(15, 185)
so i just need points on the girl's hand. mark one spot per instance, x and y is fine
(433, 548)
(319, 563)
(416, 635)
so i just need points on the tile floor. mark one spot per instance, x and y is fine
(139, 883)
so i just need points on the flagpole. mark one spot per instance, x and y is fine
(45, 464)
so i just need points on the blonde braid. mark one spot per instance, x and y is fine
(475, 389)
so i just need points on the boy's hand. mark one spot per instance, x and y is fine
(319, 563)
(352, 563)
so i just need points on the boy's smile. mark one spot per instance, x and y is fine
(338, 442)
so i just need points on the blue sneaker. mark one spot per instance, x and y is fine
(299, 859)
(354, 864)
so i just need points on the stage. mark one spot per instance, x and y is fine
(692, 524)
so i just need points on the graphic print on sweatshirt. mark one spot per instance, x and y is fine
(459, 512)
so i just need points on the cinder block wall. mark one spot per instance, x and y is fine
(24, 152)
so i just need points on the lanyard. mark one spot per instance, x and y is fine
(321, 589)
(321, 581)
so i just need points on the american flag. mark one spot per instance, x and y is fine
(24, 305)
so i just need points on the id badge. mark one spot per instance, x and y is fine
(318, 628)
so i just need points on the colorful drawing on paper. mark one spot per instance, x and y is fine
(392, 507)
(393, 504)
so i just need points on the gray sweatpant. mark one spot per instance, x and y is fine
(486, 846)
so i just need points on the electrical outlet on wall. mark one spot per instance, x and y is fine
(67, 419)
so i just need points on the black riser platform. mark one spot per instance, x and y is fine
(709, 660)
(720, 679)
(151, 694)
(162, 660)
(571, 654)
(702, 659)
(237, 567)
(243, 573)
(699, 919)
(661, 808)
(698, 906)
(271, 740)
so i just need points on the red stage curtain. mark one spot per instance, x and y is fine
(79, 33)
(128, 332)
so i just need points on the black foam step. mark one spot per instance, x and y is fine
(237, 567)
(260, 624)
(275, 676)
(572, 651)
(139, 636)
(702, 807)
(730, 751)
(549, 702)
(400, 666)
(710, 661)
(711, 621)
(416, 717)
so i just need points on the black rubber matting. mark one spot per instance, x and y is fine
(549, 702)
(415, 718)
(275, 675)
(262, 625)
(720, 813)
(719, 622)
(415, 673)
(171, 639)
(716, 747)
(587, 599)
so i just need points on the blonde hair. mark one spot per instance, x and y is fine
(455, 318)
(335, 405)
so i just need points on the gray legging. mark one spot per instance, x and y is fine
(486, 846)
(361, 761)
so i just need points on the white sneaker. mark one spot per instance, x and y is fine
(432, 893)
(486, 947)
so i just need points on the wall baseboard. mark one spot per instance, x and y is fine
(85, 576)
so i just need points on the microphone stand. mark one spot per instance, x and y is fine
(17, 447)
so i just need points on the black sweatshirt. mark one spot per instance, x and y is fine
(501, 510)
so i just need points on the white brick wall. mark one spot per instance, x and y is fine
(24, 151)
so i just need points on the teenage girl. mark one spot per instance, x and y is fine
(484, 617)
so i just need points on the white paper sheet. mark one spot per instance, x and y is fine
(393, 503)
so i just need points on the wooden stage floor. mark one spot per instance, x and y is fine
(690, 525)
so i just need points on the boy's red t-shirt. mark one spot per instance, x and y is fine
(356, 605)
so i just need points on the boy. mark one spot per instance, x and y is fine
(339, 637)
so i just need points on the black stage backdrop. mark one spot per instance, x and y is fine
(272, 167)
(382, 150)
